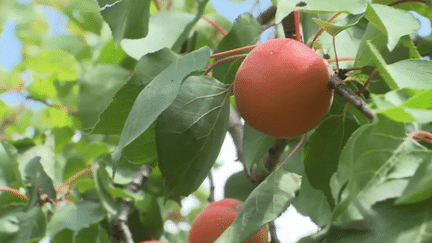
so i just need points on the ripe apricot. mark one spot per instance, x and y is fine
(281, 88)
(216, 218)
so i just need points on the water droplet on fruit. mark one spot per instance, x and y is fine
(271, 53)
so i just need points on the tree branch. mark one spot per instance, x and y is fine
(120, 228)
(349, 96)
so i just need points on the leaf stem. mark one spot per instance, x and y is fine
(226, 53)
(374, 72)
(222, 61)
(215, 25)
(14, 191)
(341, 59)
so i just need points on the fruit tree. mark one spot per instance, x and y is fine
(114, 112)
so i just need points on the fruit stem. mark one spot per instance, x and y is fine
(321, 30)
(297, 25)
(335, 52)
(360, 91)
(215, 25)
(14, 191)
(226, 53)
(222, 61)
(341, 59)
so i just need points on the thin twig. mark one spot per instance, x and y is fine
(272, 230)
(237, 50)
(215, 25)
(348, 95)
(297, 25)
(363, 89)
(17, 193)
(222, 61)
(120, 228)
(211, 197)
(335, 52)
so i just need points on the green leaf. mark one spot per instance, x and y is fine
(412, 73)
(9, 171)
(113, 118)
(75, 45)
(158, 95)
(97, 87)
(18, 226)
(267, 202)
(75, 217)
(59, 62)
(255, 146)
(405, 105)
(245, 31)
(190, 133)
(388, 224)
(85, 14)
(110, 54)
(165, 28)
(238, 186)
(374, 165)
(334, 29)
(322, 150)
(419, 187)
(313, 203)
(127, 19)
(405, 49)
(393, 22)
(35, 178)
(42, 88)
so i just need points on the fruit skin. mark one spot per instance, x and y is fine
(216, 218)
(281, 88)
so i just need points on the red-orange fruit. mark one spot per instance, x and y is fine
(152, 241)
(281, 88)
(216, 218)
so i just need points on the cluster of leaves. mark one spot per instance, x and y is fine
(126, 88)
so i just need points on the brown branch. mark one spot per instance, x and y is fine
(267, 15)
(120, 229)
(272, 230)
(352, 98)
(212, 187)
(374, 72)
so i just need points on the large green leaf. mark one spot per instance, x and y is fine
(97, 87)
(322, 150)
(373, 166)
(419, 187)
(412, 73)
(267, 202)
(394, 23)
(190, 133)
(245, 31)
(387, 223)
(9, 172)
(35, 177)
(238, 186)
(75, 217)
(113, 118)
(128, 19)
(405, 105)
(158, 95)
(164, 30)
(405, 49)
(17, 225)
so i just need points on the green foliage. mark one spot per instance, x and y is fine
(125, 88)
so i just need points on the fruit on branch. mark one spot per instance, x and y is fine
(281, 88)
(216, 218)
